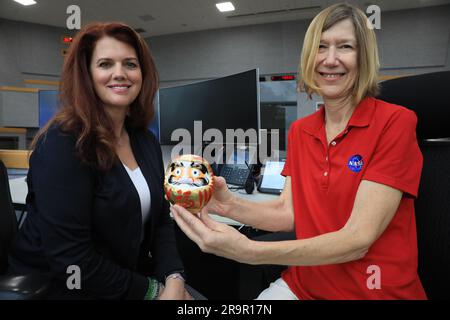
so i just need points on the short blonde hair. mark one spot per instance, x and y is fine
(366, 83)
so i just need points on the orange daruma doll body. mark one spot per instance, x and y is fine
(189, 182)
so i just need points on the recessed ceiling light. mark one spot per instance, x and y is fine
(225, 6)
(26, 2)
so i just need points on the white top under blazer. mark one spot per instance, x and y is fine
(144, 192)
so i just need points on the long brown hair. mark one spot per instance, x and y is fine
(82, 113)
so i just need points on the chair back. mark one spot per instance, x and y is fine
(8, 220)
(433, 219)
(427, 96)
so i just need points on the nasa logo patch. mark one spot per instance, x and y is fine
(355, 163)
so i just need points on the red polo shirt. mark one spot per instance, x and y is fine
(379, 144)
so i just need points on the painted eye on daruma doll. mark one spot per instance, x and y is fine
(189, 182)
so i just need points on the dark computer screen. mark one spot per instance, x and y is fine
(229, 102)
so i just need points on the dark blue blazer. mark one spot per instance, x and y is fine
(80, 216)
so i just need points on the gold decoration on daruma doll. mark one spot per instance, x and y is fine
(189, 182)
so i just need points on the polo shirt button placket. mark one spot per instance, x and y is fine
(326, 171)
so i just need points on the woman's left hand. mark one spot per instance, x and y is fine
(213, 237)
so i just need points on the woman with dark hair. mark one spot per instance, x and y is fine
(95, 199)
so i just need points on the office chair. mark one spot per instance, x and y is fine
(14, 287)
(427, 95)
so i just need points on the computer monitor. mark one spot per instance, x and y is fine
(48, 105)
(230, 102)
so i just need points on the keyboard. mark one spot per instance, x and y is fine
(235, 175)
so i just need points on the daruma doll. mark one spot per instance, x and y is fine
(189, 182)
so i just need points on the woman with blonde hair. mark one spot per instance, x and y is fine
(352, 173)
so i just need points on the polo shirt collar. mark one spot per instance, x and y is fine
(363, 113)
(361, 117)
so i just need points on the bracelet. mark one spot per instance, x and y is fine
(153, 289)
(175, 275)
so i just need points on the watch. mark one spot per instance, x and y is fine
(176, 275)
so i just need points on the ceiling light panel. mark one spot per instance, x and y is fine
(225, 6)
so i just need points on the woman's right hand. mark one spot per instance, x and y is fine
(222, 199)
